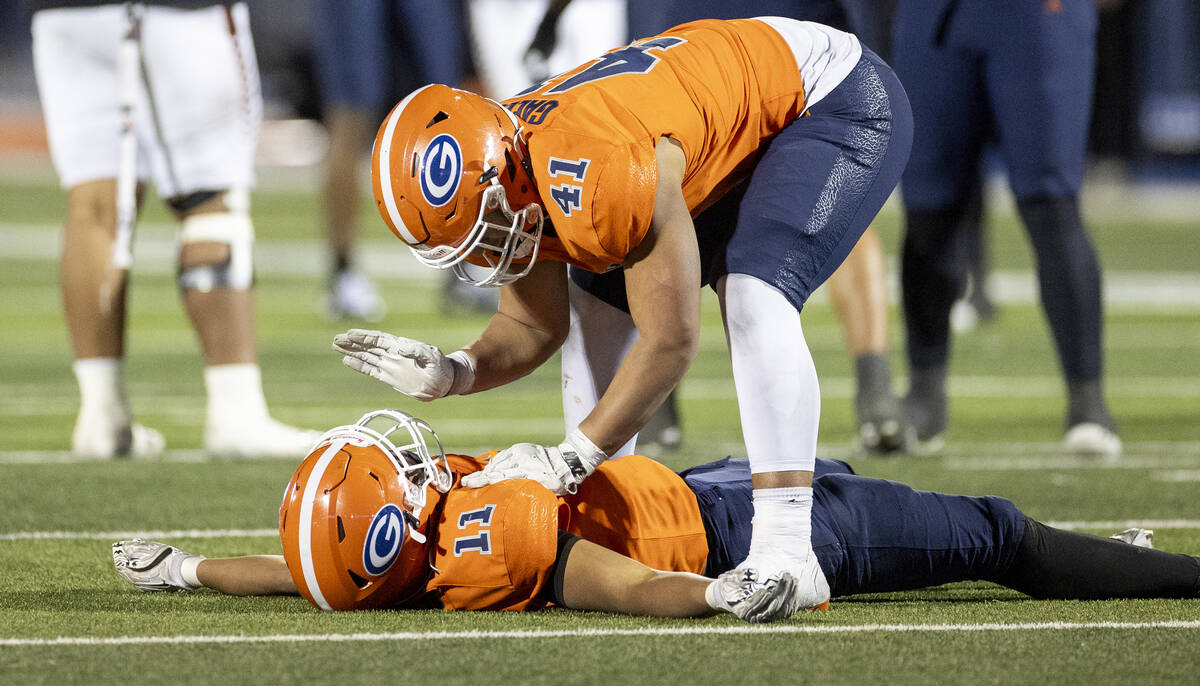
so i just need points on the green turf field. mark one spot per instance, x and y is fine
(65, 616)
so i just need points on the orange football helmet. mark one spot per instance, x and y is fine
(351, 519)
(448, 167)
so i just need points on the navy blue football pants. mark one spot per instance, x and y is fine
(870, 535)
(874, 535)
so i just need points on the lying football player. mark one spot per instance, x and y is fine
(373, 518)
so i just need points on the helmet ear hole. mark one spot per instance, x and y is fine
(358, 580)
(341, 530)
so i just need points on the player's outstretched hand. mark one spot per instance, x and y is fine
(560, 468)
(414, 368)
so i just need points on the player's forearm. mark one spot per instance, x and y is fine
(248, 575)
(668, 594)
(529, 326)
(599, 579)
(508, 350)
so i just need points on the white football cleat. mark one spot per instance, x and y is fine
(97, 437)
(352, 295)
(264, 438)
(754, 599)
(150, 565)
(1090, 438)
(1142, 538)
(803, 587)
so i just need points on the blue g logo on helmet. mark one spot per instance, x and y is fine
(441, 169)
(384, 538)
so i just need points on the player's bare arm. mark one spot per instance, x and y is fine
(249, 575)
(528, 327)
(593, 578)
(596, 578)
(661, 278)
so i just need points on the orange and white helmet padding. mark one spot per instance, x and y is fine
(447, 172)
(351, 518)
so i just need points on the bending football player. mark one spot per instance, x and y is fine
(749, 155)
(374, 517)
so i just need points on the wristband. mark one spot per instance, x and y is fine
(464, 372)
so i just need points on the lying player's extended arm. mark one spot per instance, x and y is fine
(248, 575)
(596, 578)
(155, 566)
(662, 279)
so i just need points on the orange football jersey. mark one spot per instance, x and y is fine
(495, 548)
(641, 509)
(719, 88)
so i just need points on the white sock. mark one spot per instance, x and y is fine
(235, 395)
(102, 388)
(781, 533)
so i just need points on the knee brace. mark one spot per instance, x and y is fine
(236, 271)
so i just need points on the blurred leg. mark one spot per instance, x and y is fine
(1055, 75)
(216, 284)
(95, 314)
(94, 301)
(859, 294)
(600, 336)
(350, 294)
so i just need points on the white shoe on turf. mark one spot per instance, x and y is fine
(99, 437)
(1090, 438)
(264, 438)
(352, 295)
(1142, 538)
(753, 598)
(150, 565)
(766, 589)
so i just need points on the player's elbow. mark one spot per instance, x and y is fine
(675, 347)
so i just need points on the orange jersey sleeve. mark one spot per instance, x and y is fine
(495, 547)
(640, 508)
(720, 88)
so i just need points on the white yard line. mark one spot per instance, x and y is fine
(593, 633)
(124, 535)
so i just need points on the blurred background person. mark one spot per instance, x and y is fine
(180, 79)
(1027, 68)
(368, 55)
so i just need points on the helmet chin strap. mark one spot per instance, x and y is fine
(415, 535)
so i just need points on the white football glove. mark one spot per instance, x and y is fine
(414, 368)
(560, 469)
(743, 593)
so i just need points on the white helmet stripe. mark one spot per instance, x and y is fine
(305, 526)
(385, 168)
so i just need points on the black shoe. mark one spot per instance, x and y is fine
(881, 426)
(927, 418)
